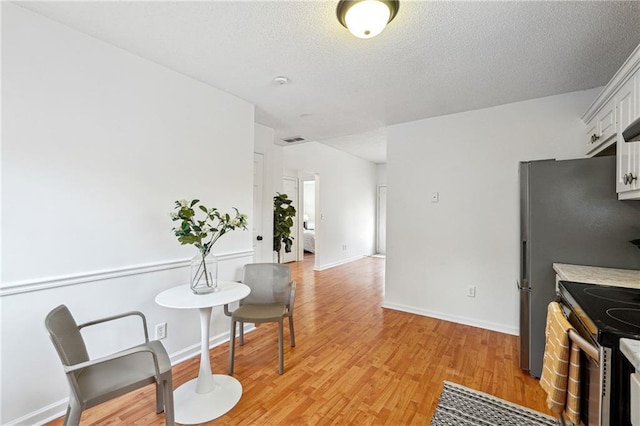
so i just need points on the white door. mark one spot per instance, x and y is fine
(290, 187)
(259, 244)
(381, 246)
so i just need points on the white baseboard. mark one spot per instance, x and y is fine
(487, 325)
(338, 263)
(43, 415)
(194, 350)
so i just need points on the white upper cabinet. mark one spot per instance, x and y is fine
(601, 130)
(613, 110)
(628, 154)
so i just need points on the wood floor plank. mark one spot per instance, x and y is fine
(354, 361)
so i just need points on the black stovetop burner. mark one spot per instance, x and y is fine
(614, 311)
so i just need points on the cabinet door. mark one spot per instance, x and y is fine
(601, 130)
(627, 153)
(607, 122)
(592, 135)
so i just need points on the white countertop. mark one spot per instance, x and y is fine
(631, 349)
(596, 275)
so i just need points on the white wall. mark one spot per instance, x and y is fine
(96, 146)
(471, 237)
(346, 196)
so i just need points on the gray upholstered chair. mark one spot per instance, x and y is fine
(271, 300)
(93, 382)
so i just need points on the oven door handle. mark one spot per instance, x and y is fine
(585, 346)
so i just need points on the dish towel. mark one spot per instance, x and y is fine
(561, 366)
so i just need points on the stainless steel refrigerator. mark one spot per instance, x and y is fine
(569, 214)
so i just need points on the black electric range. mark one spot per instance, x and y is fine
(604, 315)
(609, 312)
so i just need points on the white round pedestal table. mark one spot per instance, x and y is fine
(209, 395)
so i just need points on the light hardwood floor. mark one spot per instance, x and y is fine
(354, 362)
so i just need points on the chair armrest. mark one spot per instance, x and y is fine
(119, 316)
(121, 354)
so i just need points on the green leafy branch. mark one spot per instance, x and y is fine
(214, 224)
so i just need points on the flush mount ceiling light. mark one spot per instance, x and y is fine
(366, 18)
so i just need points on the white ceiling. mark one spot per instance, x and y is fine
(435, 58)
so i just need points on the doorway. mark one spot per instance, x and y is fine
(308, 215)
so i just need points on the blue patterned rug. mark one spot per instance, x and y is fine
(460, 406)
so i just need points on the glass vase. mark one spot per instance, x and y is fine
(204, 274)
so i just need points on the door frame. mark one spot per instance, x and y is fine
(258, 213)
(379, 225)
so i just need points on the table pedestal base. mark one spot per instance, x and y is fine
(192, 407)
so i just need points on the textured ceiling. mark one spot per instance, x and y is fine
(435, 58)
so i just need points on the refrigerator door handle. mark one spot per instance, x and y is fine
(524, 286)
(523, 262)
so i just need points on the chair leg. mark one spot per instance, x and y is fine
(241, 333)
(169, 416)
(292, 336)
(159, 398)
(280, 349)
(232, 346)
(74, 411)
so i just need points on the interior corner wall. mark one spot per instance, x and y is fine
(435, 251)
(346, 196)
(381, 171)
(97, 144)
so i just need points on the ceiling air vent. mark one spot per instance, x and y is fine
(293, 139)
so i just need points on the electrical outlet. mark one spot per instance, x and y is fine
(161, 331)
(344, 247)
(471, 291)
(435, 197)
